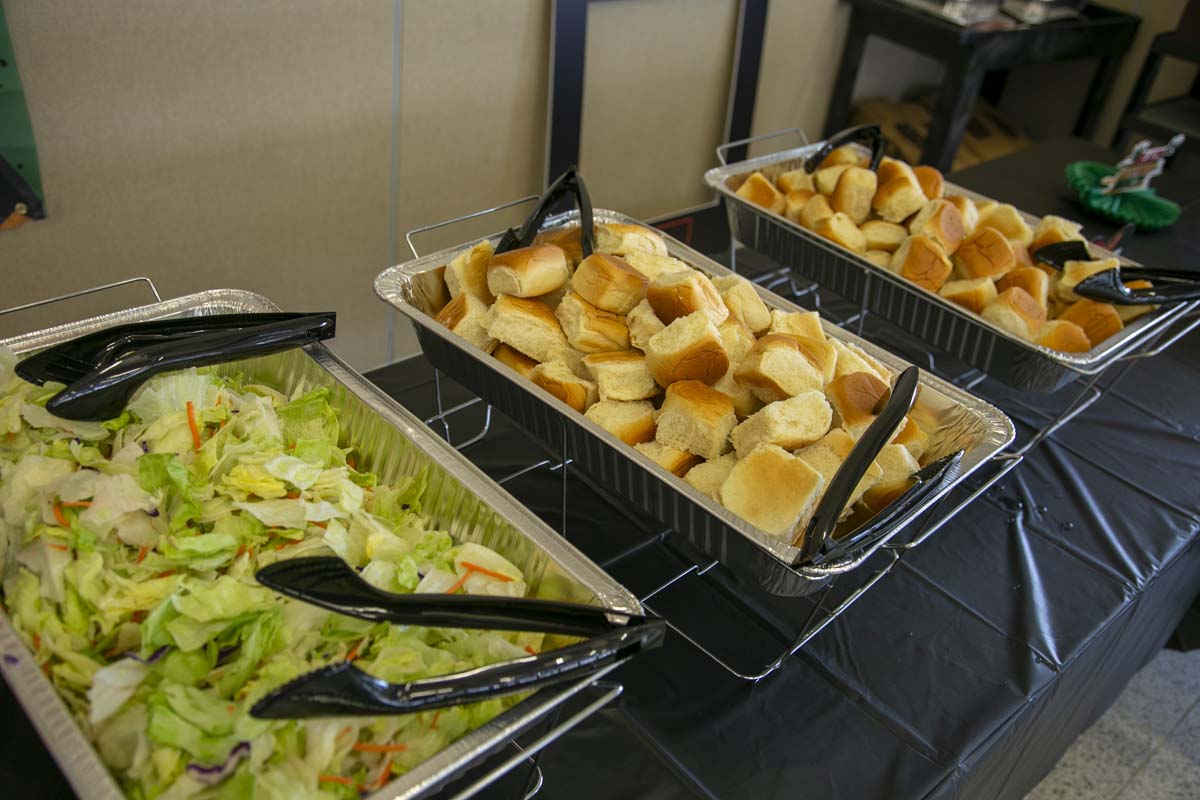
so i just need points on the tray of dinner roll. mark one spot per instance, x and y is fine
(709, 402)
(947, 264)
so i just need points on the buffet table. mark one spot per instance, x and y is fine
(965, 673)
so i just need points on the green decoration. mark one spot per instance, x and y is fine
(1122, 193)
(23, 178)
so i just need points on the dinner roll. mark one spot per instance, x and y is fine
(744, 400)
(520, 362)
(590, 329)
(972, 294)
(851, 358)
(526, 325)
(528, 271)
(970, 214)
(1074, 272)
(736, 338)
(620, 239)
(558, 379)
(985, 206)
(743, 302)
(631, 422)
(816, 209)
(794, 180)
(1015, 311)
(931, 181)
(467, 272)
(781, 366)
(826, 456)
(882, 235)
(466, 315)
(621, 375)
(795, 201)
(897, 199)
(773, 490)
(846, 154)
(1098, 320)
(891, 169)
(912, 437)
(986, 253)
(707, 476)
(642, 323)
(898, 467)
(1062, 334)
(856, 400)
(760, 191)
(1022, 258)
(840, 229)
(940, 221)
(607, 282)
(567, 238)
(880, 258)
(1052, 230)
(676, 294)
(690, 348)
(1006, 219)
(695, 418)
(671, 459)
(853, 194)
(797, 323)
(652, 265)
(921, 260)
(791, 423)
(825, 179)
(1032, 280)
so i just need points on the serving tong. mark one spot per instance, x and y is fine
(102, 370)
(869, 135)
(569, 182)
(1181, 286)
(816, 543)
(343, 689)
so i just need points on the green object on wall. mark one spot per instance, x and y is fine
(16, 133)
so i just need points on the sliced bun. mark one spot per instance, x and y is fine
(846, 154)
(880, 258)
(921, 260)
(528, 271)
(1052, 230)
(898, 199)
(1006, 219)
(825, 179)
(736, 338)
(841, 230)
(607, 282)
(518, 361)
(643, 323)
(1074, 272)
(780, 366)
(797, 323)
(1016, 311)
(912, 437)
(631, 422)
(743, 302)
(826, 456)
(856, 399)
(621, 376)
(1062, 334)
(884, 235)
(466, 315)
(669, 458)
(690, 348)
(1032, 280)
(708, 476)
(789, 424)
(853, 194)
(1098, 320)
(621, 239)
(773, 490)
(793, 180)
(972, 294)
(590, 329)
(891, 169)
(676, 294)
(851, 358)
(898, 467)
(970, 214)
(745, 403)
(526, 325)
(986, 253)
(467, 272)
(931, 181)
(695, 418)
(940, 221)
(760, 191)
(567, 238)
(816, 209)
(652, 265)
(795, 201)
(558, 379)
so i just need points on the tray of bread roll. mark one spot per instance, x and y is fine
(712, 404)
(955, 268)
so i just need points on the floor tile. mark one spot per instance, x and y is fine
(1168, 775)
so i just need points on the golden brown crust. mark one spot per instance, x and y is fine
(825, 179)
(941, 222)
(882, 235)
(856, 398)
(1065, 335)
(921, 260)
(846, 154)
(1016, 311)
(795, 200)
(515, 359)
(529, 306)
(528, 271)
(557, 379)
(972, 294)
(892, 168)
(1032, 280)
(897, 199)
(931, 180)
(676, 294)
(1052, 230)
(567, 238)
(760, 191)
(853, 194)
(590, 329)
(1098, 320)
(706, 404)
(970, 214)
(607, 282)
(816, 209)
(793, 180)
(841, 230)
(1006, 219)
(701, 357)
(986, 253)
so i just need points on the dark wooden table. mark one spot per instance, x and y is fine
(970, 53)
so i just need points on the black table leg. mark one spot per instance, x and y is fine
(838, 116)
(955, 103)
(1089, 115)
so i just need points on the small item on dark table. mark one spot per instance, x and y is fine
(1122, 193)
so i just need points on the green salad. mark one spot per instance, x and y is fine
(129, 549)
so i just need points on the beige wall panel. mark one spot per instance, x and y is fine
(654, 101)
(207, 145)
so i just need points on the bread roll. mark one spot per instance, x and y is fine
(793, 180)
(940, 221)
(467, 272)
(780, 366)
(986, 253)
(898, 467)
(466, 315)
(912, 437)
(590, 329)
(891, 169)
(621, 376)
(558, 379)
(970, 214)
(846, 154)
(707, 476)
(607, 282)
(851, 358)
(795, 201)
(1062, 334)
(1052, 230)
(526, 325)
(1074, 272)
(631, 422)
(553, 299)
(884, 235)
(642, 323)
(676, 461)
(745, 403)
(1008, 221)
(736, 338)
(853, 194)
(897, 199)
(1022, 258)
(520, 362)
(841, 230)
(816, 209)
(1015, 311)
(652, 265)
(743, 302)
(574, 361)
(825, 179)
(931, 181)
(972, 294)
(791, 423)
(921, 260)
(1098, 320)
(773, 490)
(1130, 313)
(528, 271)
(880, 258)
(797, 323)
(676, 294)
(690, 348)
(1032, 280)
(985, 207)
(567, 238)
(620, 239)
(826, 456)
(856, 399)
(760, 191)
(695, 418)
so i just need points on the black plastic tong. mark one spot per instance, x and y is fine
(344, 690)
(870, 135)
(817, 544)
(1109, 286)
(104, 369)
(569, 182)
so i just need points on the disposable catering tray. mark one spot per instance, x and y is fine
(955, 418)
(931, 317)
(392, 443)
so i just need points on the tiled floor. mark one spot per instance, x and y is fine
(1146, 747)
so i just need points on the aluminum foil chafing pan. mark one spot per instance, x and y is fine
(931, 317)
(391, 443)
(955, 418)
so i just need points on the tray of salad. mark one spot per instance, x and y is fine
(135, 635)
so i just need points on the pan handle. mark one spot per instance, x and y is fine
(408, 237)
(723, 149)
(870, 135)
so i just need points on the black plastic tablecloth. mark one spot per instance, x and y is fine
(965, 673)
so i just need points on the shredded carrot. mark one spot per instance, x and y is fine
(240, 552)
(354, 650)
(115, 650)
(165, 573)
(530, 650)
(224, 422)
(436, 714)
(458, 584)
(321, 525)
(37, 642)
(59, 518)
(288, 543)
(191, 415)
(46, 668)
(141, 556)
(231, 708)
(370, 747)
(77, 504)
(293, 495)
(352, 462)
(62, 547)
(139, 615)
(384, 775)
(482, 571)
(335, 779)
